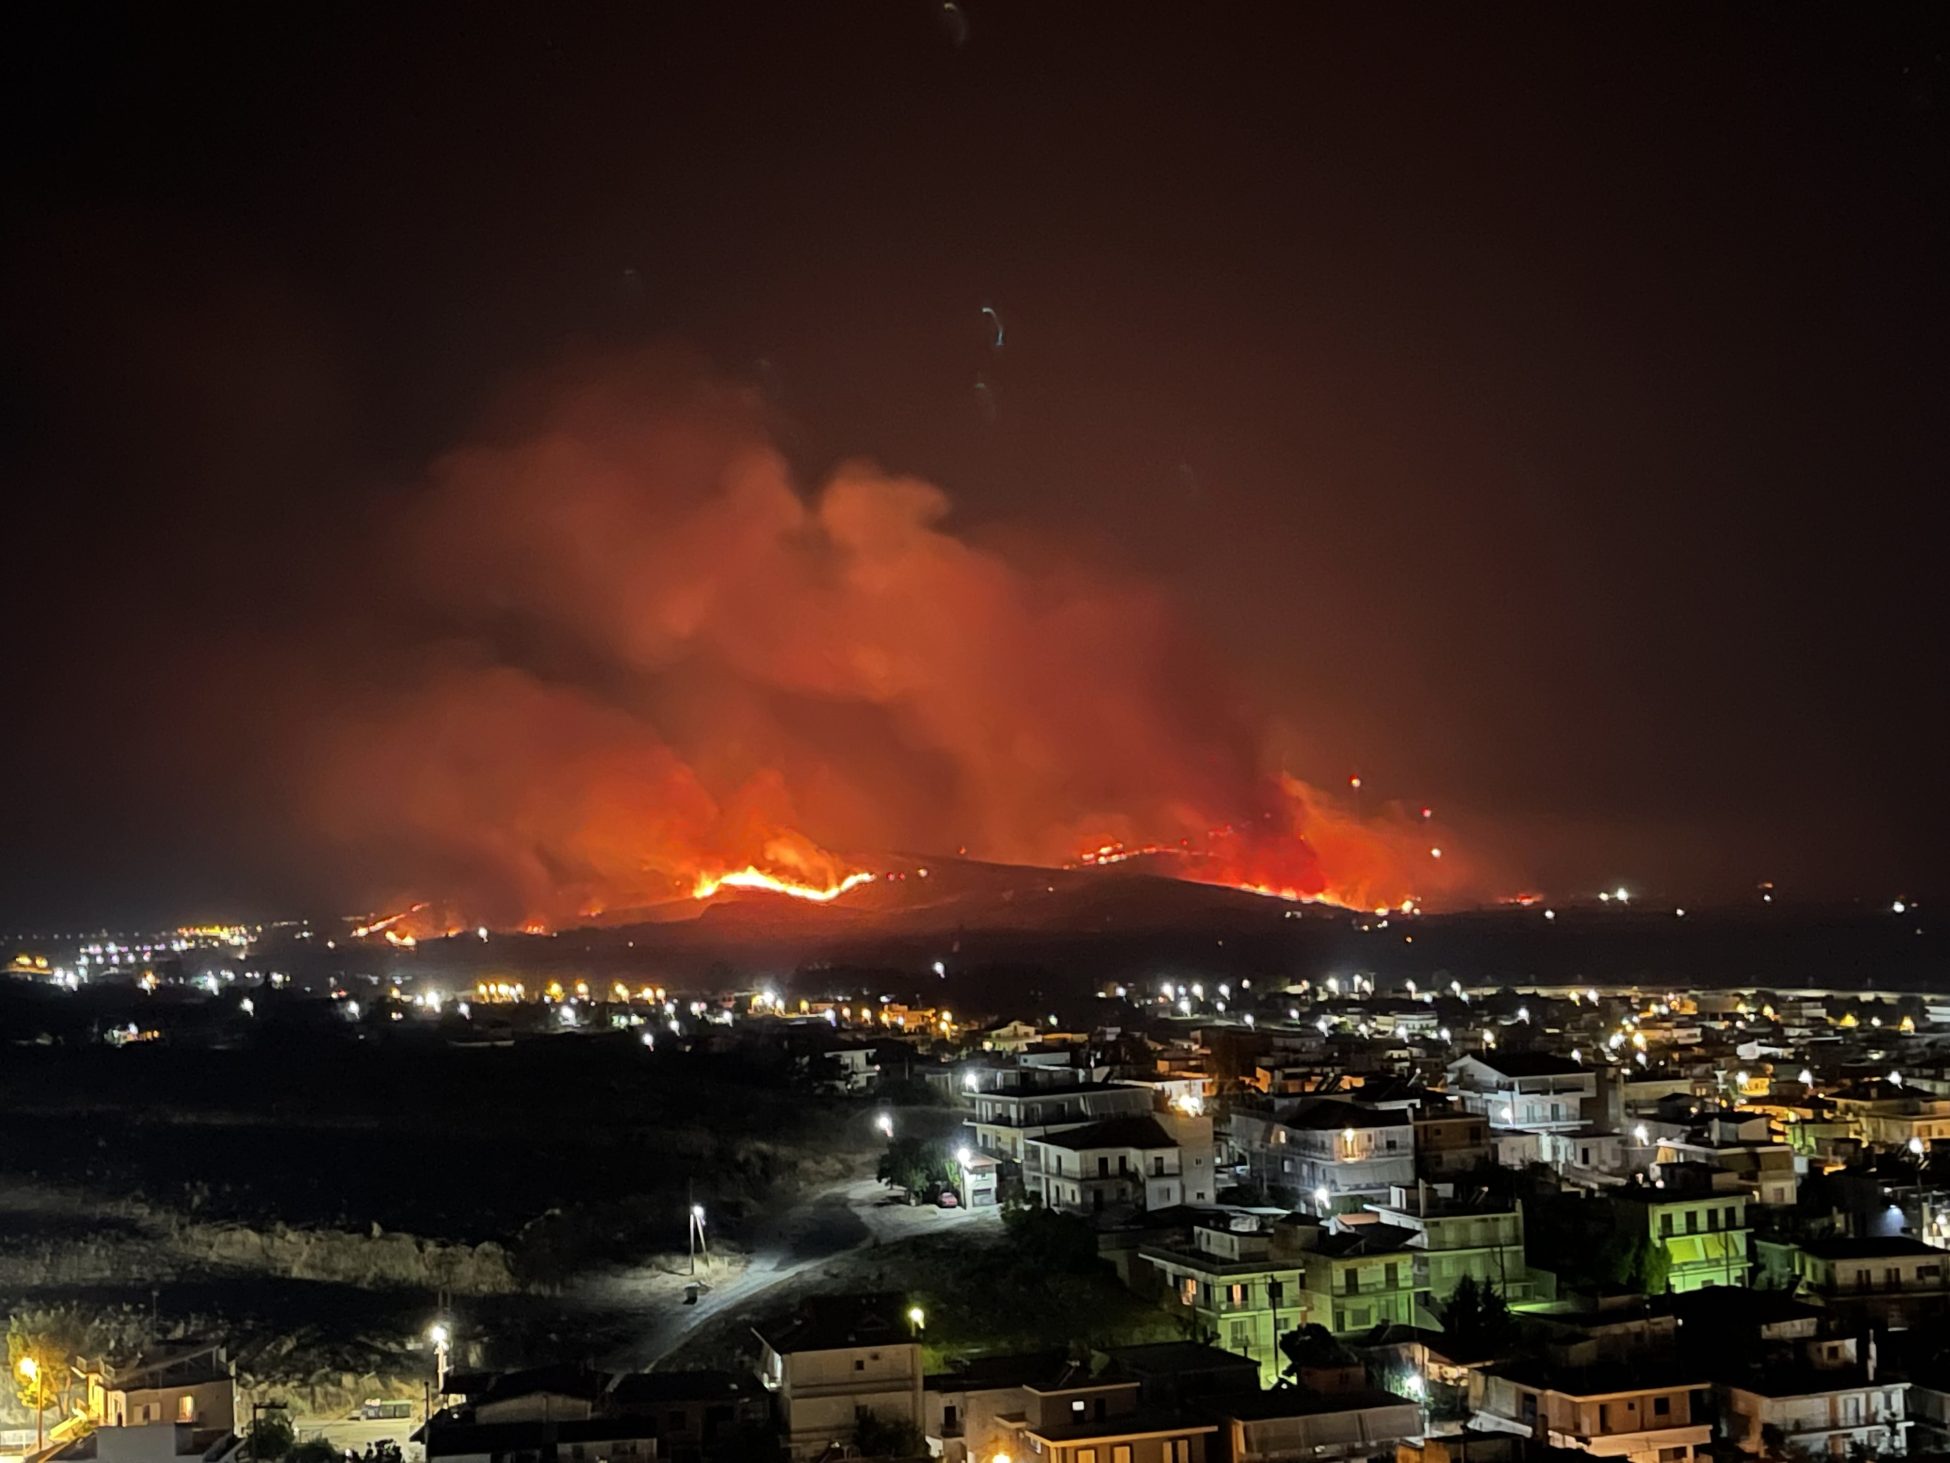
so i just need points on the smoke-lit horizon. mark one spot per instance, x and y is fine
(634, 654)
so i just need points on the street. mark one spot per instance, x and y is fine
(847, 1216)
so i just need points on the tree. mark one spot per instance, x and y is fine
(271, 1434)
(313, 1450)
(887, 1437)
(1478, 1317)
(41, 1352)
(917, 1165)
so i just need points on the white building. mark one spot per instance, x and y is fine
(1152, 1161)
(1525, 1089)
(1323, 1145)
(836, 1359)
(1828, 1404)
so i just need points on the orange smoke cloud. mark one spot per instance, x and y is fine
(656, 665)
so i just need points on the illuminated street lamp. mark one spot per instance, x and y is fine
(885, 1122)
(31, 1371)
(441, 1338)
(697, 1236)
(917, 1318)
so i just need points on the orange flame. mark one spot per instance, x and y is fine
(753, 878)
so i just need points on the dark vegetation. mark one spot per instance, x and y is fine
(1042, 1287)
(558, 1141)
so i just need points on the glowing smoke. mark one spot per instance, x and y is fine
(650, 663)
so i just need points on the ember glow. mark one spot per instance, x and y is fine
(663, 669)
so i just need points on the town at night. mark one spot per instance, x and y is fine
(962, 731)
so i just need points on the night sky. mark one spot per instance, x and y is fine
(1540, 409)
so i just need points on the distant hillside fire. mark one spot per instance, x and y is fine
(647, 667)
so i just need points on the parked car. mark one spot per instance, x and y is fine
(948, 1200)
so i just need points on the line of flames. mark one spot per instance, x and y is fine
(756, 878)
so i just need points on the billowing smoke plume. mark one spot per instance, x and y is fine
(644, 657)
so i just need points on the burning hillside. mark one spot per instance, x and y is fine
(648, 667)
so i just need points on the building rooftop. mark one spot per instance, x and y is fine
(1138, 1130)
(1528, 1064)
(993, 1373)
(1886, 1247)
(653, 1389)
(1331, 1114)
(835, 1322)
(1603, 1379)
(1302, 1402)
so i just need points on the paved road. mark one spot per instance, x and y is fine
(845, 1217)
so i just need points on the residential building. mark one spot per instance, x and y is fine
(1029, 1108)
(848, 1067)
(689, 1410)
(835, 1359)
(1240, 1282)
(1700, 1220)
(1146, 1161)
(577, 1414)
(1481, 1239)
(1084, 1419)
(1324, 1147)
(1524, 1089)
(1635, 1411)
(1356, 1278)
(975, 1412)
(1294, 1423)
(1827, 1402)
(1450, 1143)
(192, 1382)
(1892, 1282)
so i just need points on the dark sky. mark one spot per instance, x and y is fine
(1542, 405)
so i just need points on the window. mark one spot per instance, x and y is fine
(1086, 1455)
(186, 1408)
(1239, 1295)
(1158, 1165)
(1077, 1408)
(1179, 1450)
(1120, 1453)
(1103, 1166)
(949, 1415)
(1661, 1406)
(1665, 1225)
(859, 1365)
(1188, 1291)
(1692, 1221)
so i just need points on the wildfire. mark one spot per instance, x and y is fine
(386, 922)
(754, 878)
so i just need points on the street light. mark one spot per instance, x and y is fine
(30, 1369)
(917, 1318)
(885, 1122)
(696, 1236)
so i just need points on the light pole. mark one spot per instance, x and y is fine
(885, 1122)
(442, 1338)
(918, 1319)
(697, 1239)
(31, 1370)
